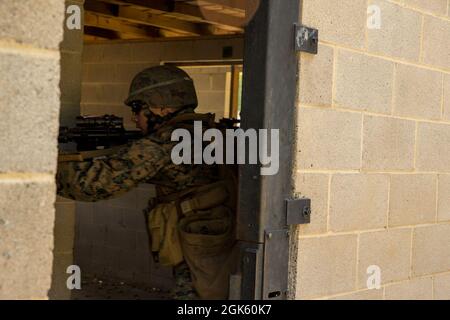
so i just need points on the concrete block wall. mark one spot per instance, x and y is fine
(213, 85)
(70, 87)
(30, 33)
(108, 69)
(373, 151)
(111, 240)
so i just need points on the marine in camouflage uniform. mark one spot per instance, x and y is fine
(147, 160)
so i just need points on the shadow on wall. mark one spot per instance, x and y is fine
(63, 241)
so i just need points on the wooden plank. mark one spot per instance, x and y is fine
(163, 5)
(245, 9)
(159, 6)
(210, 16)
(235, 5)
(101, 33)
(185, 12)
(216, 30)
(179, 26)
(183, 38)
(95, 20)
(134, 15)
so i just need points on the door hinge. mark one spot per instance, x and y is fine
(298, 211)
(306, 39)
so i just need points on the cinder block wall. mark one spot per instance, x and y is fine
(70, 87)
(109, 68)
(111, 240)
(30, 33)
(111, 237)
(213, 89)
(374, 151)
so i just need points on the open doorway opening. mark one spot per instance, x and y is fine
(111, 244)
(122, 38)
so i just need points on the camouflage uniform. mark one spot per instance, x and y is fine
(147, 160)
(144, 161)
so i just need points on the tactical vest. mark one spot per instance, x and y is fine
(197, 225)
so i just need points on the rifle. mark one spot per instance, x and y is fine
(95, 136)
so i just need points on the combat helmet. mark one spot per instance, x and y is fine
(163, 86)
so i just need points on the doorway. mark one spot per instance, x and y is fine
(261, 93)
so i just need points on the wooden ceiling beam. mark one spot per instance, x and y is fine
(185, 11)
(174, 25)
(238, 5)
(216, 30)
(160, 6)
(210, 16)
(165, 5)
(134, 15)
(101, 7)
(100, 33)
(95, 20)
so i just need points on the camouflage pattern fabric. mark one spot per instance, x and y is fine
(112, 176)
(184, 289)
(144, 161)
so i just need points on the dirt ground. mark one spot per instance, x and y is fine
(93, 288)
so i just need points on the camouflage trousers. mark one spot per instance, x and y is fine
(184, 289)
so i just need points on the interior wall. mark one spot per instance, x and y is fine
(213, 89)
(108, 69)
(111, 236)
(111, 240)
(374, 155)
(29, 107)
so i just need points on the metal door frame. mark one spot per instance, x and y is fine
(269, 96)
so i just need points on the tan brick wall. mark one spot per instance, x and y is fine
(374, 151)
(30, 33)
(213, 89)
(111, 240)
(109, 68)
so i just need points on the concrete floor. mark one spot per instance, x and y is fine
(106, 289)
